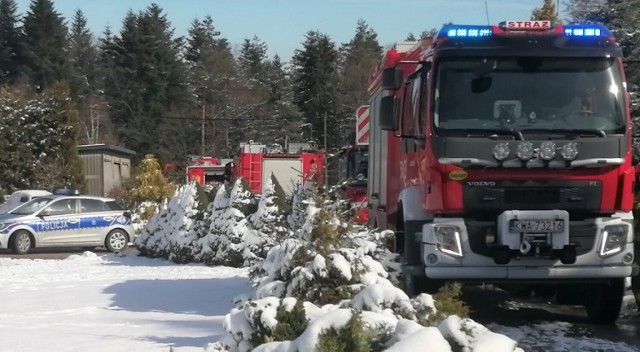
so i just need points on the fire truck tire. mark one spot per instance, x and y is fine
(411, 251)
(604, 302)
(415, 285)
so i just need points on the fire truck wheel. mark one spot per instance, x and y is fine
(604, 302)
(411, 250)
(415, 285)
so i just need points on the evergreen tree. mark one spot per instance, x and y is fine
(316, 86)
(9, 43)
(211, 73)
(146, 85)
(148, 184)
(37, 140)
(547, 12)
(269, 221)
(82, 56)
(218, 226)
(237, 245)
(44, 44)
(360, 56)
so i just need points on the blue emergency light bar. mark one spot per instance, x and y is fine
(453, 31)
(590, 30)
(474, 31)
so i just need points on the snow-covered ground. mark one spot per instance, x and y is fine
(110, 303)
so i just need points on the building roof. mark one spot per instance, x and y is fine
(105, 149)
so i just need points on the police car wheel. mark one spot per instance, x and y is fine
(116, 240)
(21, 242)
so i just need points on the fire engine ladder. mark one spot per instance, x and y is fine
(255, 172)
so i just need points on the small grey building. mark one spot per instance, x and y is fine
(105, 166)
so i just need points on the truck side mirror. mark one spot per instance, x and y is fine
(388, 113)
(391, 78)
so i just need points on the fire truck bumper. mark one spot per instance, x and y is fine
(448, 252)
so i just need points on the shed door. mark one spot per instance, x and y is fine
(287, 171)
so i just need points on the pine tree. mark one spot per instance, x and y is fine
(316, 85)
(547, 12)
(9, 43)
(44, 44)
(82, 56)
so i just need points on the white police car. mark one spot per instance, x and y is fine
(66, 221)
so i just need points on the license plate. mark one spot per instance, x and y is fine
(536, 226)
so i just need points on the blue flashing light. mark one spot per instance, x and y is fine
(586, 31)
(465, 32)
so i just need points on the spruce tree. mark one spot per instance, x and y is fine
(316, 85)
(360, 56)
(9, 43)
(82, 56)
(211, 70)
(44, 45)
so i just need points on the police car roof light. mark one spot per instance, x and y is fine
(66, 192)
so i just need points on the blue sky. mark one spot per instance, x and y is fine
(282, 24)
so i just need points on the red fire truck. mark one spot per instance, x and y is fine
(502, 154)
(299, 162)
(207, 171)
(352, 174)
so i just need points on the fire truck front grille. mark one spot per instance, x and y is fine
(487, 199)
(527, 196)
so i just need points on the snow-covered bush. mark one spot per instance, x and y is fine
(217, 226)
(269, 222)
(288, 325)
(169, 233)
(232, 240)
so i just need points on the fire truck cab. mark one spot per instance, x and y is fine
(502, 154)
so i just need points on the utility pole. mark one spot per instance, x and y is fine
(326, 169)
(202, 142)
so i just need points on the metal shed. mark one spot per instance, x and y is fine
(105, 166)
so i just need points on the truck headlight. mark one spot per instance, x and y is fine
(569, 151)
(525, 151)
(448, 239)
(614, 239)
(547, 150)
(501, 151)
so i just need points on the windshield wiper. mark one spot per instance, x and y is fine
(575, 133)
(483, 132)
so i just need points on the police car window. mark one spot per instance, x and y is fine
(61, 207)
(92, 205)
(114, 205)
(31, 206)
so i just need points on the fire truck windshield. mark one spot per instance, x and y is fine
(527, 94)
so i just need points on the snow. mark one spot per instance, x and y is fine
(109, 303)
